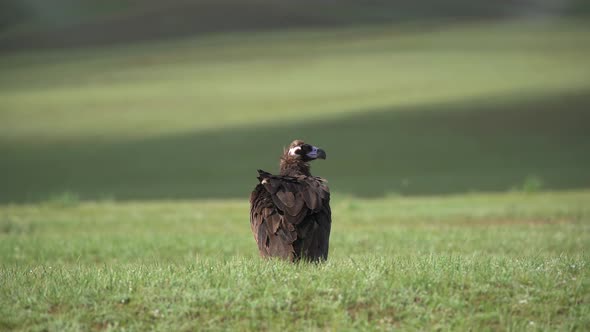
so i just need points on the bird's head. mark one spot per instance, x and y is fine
(299, 150)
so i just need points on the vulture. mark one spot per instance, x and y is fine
(290, 213)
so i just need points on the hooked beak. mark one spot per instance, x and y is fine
(317, 153)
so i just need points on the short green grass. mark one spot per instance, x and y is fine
(510, 261)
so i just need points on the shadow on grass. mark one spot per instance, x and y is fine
(82, 25)
(477, 145)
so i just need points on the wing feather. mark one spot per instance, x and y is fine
(290, 216)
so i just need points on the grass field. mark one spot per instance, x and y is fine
(507, 261)
(457, 159)
(36, 24)
(449, 109)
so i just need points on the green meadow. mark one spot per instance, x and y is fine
(482, 262)
(458, 158)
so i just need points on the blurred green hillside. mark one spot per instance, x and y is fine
(71, 23)
(414, 103)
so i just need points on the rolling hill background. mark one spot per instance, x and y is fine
(186, 99)
(68, 23)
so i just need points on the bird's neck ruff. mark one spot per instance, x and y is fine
(291, 166)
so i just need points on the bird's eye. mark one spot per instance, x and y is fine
(295, 151)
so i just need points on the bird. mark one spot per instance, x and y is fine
(290, 213)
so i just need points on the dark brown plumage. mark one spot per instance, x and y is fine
(290, 213)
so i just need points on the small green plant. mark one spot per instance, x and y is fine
(531, 184)
(64, 199)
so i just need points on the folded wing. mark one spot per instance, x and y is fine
(290, 216)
